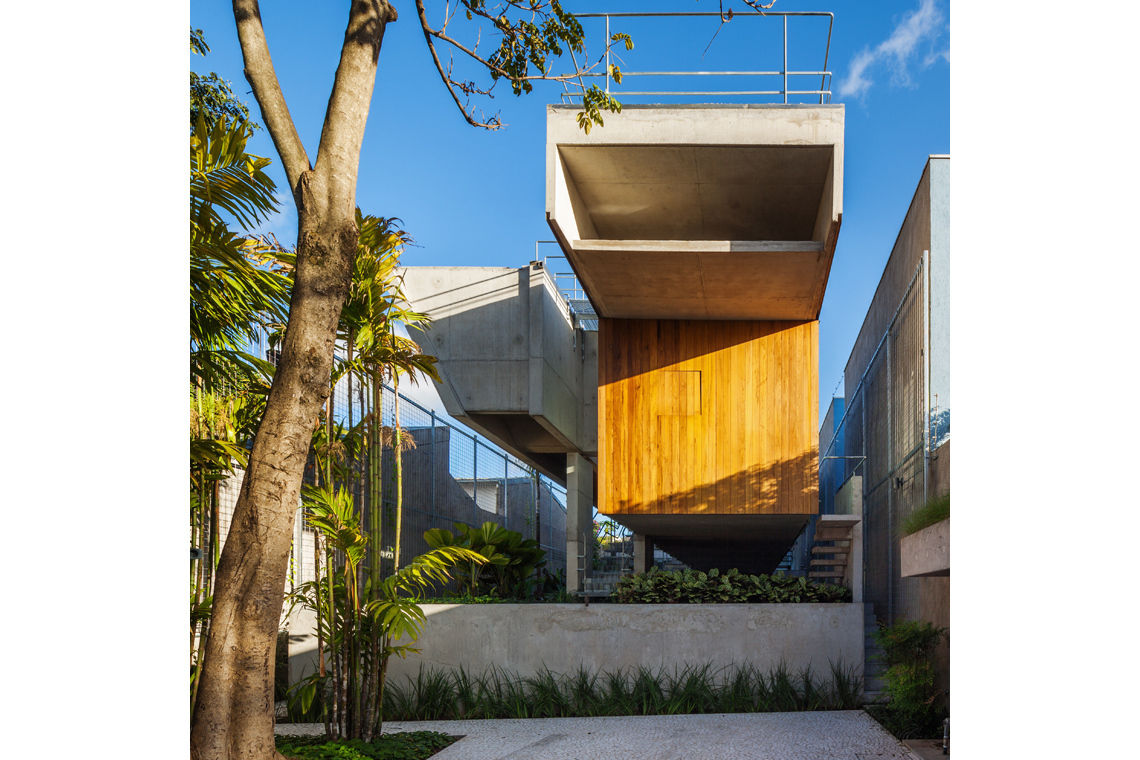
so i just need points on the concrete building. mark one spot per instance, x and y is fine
(894, 434)
(703, 237)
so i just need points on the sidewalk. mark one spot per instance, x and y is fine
(838, 735)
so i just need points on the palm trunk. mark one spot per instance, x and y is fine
(383, 680)
(375, 483)
(333, 646)
(398, 452)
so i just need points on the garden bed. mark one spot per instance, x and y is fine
(409, 745)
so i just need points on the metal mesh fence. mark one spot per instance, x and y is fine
(882, 437)
(449, 475)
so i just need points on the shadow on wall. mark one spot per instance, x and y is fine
(786, 486)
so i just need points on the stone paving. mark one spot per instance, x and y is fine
(835, 735)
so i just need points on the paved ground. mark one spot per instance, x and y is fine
(926, 749)
(839, 735)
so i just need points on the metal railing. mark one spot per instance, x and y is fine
(783, 74)
(582, 311)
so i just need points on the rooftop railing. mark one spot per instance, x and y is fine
(784, 79)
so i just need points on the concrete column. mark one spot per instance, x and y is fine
(642, 553)
(579, 516)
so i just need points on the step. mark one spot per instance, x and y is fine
(828, 563)
(816, 574)
(831, 550)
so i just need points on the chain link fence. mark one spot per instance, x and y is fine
(449, 475)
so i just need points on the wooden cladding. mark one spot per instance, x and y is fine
(707, 417)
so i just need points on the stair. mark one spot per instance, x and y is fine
(832, 537)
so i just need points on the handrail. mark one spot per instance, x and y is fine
(824, 91)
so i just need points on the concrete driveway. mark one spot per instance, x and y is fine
(838, 735)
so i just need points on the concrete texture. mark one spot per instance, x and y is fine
(512, 363)
(528, 637)
(927, 552)
(701, 212)
(580, 500)
(836, 735)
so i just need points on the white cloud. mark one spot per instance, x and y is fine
(924, 23)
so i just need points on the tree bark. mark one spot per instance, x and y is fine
(235, 710)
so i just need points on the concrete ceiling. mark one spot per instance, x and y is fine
(699, 192)
(631, 279)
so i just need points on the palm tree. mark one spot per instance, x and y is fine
(377, 353)
(238, 285)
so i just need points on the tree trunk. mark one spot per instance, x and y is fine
(234, 715)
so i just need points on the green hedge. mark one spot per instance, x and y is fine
(696, 587)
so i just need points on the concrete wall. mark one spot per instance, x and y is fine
(526, 637)
(512, 364)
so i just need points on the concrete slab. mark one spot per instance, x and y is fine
(838, 735)
(926, 554)
(699, 212)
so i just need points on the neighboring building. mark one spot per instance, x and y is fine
(894, 433)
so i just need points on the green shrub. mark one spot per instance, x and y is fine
(934, 511)
(410, 745)
(511, 561)
(915, 708)
(694, 586)
(498, 693)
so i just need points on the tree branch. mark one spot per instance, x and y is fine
(267, 91)
(338, 157)
(519, 79)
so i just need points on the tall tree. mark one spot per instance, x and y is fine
(234, 715)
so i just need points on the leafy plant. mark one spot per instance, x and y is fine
(694, 586)
(361, 622)
(408, 745)
(497, 693)
(934, 511)
(916, 707)
(510, 561)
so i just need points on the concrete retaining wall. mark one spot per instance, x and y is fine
(525, 637)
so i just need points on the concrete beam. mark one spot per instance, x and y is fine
(511, 363)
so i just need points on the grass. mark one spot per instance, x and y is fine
(496, 693)
(410, 745)
(934, 511)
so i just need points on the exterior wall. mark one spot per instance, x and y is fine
(707, 417)
(524, 638)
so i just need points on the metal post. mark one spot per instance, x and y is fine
(607, 53)
(506, 474)
(785, 60)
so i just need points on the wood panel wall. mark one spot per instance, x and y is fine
(707, 417)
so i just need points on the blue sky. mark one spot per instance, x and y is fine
(473, 197)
